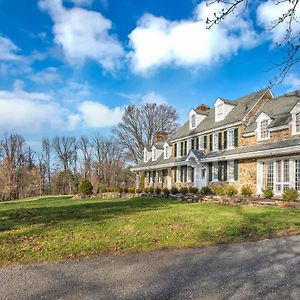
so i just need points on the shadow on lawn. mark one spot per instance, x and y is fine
(87, 211)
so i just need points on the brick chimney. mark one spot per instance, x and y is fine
(160, 136)
(203, 107)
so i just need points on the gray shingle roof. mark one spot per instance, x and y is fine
(242, 107)
(278, 109)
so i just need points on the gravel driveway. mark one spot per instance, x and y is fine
(268, 269)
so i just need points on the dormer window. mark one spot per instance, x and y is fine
(153, 154)
(145, 155)
(220, 112)
(264, 132)
(193, 121)
(296, 119)
(263, 122)
(166, 151)
(297, 122)
(223, 108)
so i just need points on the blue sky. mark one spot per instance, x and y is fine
(70, 67)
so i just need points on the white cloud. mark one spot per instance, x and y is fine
(82, 2)
(34, 111)
(95, 114)
(84, 34)
(292, 81)
(46, 76)
(153, 98)
(157, 41)
(268, 12)
(8, 49)
(30, 111)
(150, 97)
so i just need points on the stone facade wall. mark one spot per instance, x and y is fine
(276, 136)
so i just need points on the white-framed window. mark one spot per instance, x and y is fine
(220, 112)
(297, 175)
(263, 130)
(153, 154)
(145, 155)
(193, 121)
(215, 141)
(166, 151)
(178, 171)
(230, 138)
(297, 122)
(230, 167)
(215, 171)
(201, 142)
(268, 174)
(282, 178)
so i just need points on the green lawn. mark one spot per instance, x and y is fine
(50, 228)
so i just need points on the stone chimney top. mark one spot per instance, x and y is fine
(160, 136)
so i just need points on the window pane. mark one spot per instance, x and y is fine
(268, 174)
(297, 179)
(279, 170)
(298, 122)
(216, 141)
(286, 170)
(230, 138)
(264, 129)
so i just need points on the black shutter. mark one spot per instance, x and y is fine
(225, 139)
(219, 171)
(236, 169)
(210, 142)
(175, 175)
(192, 143)
(185, 148)
(197, 143)
(225, 171)
(236, 137)
(205, 142)
(220, 140)
(181, 148)
(210, 171)
(175, 150)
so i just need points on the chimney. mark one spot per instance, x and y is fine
(160, 136)
(203, 107)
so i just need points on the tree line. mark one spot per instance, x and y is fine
(63, 161)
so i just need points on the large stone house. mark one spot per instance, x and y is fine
(254, 140)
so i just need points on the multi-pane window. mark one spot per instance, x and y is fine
(183, 173)
(297, 174)
(201, 143)
(215, 141)
(230, 139)
(268, 174)
(230, 170)
(215, 171)
(193, 121)
(297, 121)
(220, 111)
(264, 132)
(282, 179)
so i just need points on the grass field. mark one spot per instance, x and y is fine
(52, 228)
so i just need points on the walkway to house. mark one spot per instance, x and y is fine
(267, 269)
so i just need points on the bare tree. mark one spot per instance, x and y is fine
(139, 125)
(65, 149)
(86, 149)
(289, 18)
(46, 160)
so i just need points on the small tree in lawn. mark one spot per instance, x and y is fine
(85, 187)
